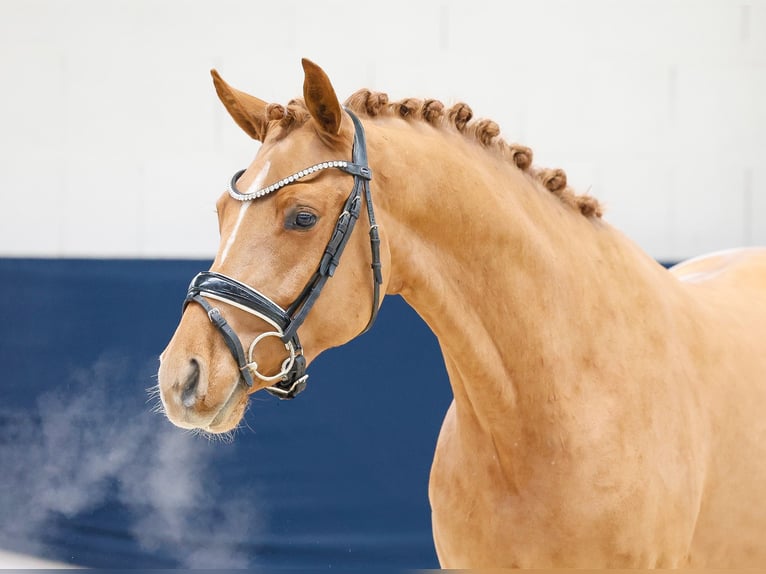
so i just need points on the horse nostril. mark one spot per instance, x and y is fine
(188, 392)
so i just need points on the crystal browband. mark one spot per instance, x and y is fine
(236, 194)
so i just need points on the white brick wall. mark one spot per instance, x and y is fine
(112, 142)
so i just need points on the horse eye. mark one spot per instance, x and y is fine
(304, 220)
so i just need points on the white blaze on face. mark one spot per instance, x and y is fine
(255, 186)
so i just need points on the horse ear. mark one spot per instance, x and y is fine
(248, 111)
(320, 98)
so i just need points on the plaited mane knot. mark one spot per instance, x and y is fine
(295, 114)
(275, 112)
(555, 180)
(432, 111)
(589, 206)
(406, 108)
(371, 102)
(460, 114)
(486, 131)
(520, 155)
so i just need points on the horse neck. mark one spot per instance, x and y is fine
(519, 288)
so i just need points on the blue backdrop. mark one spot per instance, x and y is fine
(336, 478)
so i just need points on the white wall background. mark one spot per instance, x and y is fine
(112, 142)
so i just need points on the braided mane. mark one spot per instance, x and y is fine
(458, 117)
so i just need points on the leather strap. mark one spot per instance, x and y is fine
(229, 336)
(233, 290)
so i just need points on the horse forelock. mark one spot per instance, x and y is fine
(458, 117)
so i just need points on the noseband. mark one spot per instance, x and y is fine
(210, 285)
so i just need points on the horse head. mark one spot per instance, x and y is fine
(256, 319)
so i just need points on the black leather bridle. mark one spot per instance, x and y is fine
(292, 377)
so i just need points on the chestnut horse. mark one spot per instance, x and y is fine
(607, 412)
